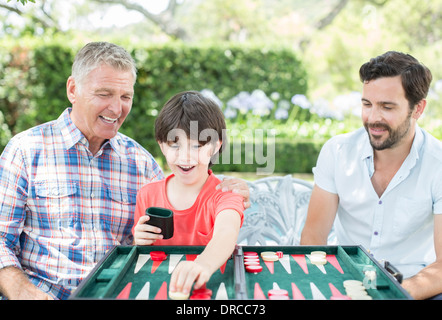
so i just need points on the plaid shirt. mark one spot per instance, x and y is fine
(62, 208)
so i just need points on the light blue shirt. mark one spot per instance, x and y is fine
(399, 225)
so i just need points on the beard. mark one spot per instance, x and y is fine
(394, 135)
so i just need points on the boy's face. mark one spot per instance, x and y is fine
(188, 159)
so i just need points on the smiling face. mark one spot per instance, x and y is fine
(386, 113)
(188, 159)
(101, 103)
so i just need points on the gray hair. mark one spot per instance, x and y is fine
(95, 54)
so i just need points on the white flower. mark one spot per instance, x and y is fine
(230, 113)
(211, 95)
(281, 114)
(301, 101)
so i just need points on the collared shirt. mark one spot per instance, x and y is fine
(398, 226)
(62, 208)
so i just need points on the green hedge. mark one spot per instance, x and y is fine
(33, 80)
(164, 71)
(288, 157)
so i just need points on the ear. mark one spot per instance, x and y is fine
(217, 146)
(70, 89)
(215, 152)
(419, 109)
(161, 147)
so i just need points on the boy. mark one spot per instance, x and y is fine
(189, 130)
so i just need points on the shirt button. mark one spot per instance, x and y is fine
(380, 202)
(376, 233)
(92, 195)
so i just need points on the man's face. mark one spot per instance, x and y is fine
(386, 114)
(101, 103)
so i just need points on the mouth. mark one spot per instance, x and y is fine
(377, 129)
(185, 168)
(108, 119)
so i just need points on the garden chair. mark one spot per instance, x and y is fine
(277, 213)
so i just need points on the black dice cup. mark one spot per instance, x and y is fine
(161, 218)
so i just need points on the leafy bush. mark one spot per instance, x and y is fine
(34, 80)
(258, 89)
(165, 71)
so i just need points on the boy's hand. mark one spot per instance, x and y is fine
(186, 273)
(145, 234)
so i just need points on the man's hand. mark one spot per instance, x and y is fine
(236, 185)
(15, 285)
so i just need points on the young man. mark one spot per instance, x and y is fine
(189, 130)
(383, 182)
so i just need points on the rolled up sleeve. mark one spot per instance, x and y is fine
(13, 194)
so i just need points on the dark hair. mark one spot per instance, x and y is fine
(416, 77)
(187, 109)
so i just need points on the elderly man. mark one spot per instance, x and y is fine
(68, 187)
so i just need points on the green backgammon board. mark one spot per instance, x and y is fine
(128, 272)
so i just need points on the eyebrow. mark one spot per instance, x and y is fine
(380, 102)
(109, 90)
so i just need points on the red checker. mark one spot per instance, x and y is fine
(158, 255)
(250, 254)
(254, 269)
(200, 296)
(277, 292)
(251, 258)
(203, 291)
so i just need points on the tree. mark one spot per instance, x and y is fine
(23, 2)
(42, 16)
(165, 19)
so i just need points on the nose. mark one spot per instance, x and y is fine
(187, 154)
(183, 153)
(374, 114)
(116, 106)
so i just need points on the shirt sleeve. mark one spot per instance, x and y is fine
(13, 195)
(437, 192)
(232, 201)
(325, 168)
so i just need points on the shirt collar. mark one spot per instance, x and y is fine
(418, 142)
(367, 149)
(72, 135)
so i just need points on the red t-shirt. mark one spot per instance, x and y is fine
(193, 226)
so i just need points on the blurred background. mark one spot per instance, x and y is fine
(286, 67)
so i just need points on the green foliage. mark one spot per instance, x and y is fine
(50, 70)
(23, 2)
(165, 71)
(290, 156)
(14, 89)
(34, 78)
